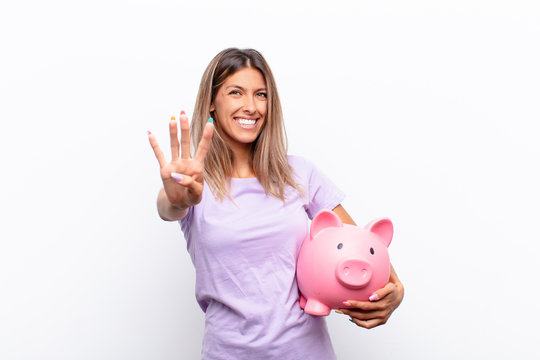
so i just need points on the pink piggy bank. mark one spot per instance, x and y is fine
(339, 262)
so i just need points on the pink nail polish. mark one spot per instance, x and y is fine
(176, 176)
(182, 112)
(374, 297)
(346, 303)
(149, 133)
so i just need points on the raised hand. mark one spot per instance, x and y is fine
(182, 177)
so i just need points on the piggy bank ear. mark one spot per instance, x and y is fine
(383, 228)
(324, 219)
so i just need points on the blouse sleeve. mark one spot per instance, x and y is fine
(321, 191)
(185, 224)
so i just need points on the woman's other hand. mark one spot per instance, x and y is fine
(377, 311)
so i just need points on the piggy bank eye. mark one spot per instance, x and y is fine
(339, 246)
(372, 251)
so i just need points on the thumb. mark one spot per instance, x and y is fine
(381, 293)
(194, 188)
(184, 180)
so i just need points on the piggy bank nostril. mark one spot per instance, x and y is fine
(346, 270)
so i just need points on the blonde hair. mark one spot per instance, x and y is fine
(269, 151)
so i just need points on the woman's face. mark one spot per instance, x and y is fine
(240, 107)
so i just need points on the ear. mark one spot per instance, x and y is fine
(212, 107)
(383, 228)
(324, 219)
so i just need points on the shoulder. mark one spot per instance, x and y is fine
(299, 163)
(303, 169)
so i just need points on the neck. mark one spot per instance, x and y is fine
(241, 164)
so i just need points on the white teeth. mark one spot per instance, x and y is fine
(246, 122)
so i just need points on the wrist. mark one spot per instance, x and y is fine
(169, 211)
(400, 289)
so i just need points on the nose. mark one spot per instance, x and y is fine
(249, 105)
(353, 273)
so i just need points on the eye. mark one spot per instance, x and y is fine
(372, 251)
(234, 92)
(339, 246)
(262, 94)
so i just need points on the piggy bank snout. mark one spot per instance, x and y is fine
(353, 273)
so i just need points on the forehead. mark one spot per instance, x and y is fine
(246, 78)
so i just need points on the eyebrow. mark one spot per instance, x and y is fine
(241, 88)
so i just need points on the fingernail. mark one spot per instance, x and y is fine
(210, 120)
(149, 133)
(351, 320)
(176, 176)
(374, 297)
(182, 112)
(338, 311)
(173, 118)
(346, 303)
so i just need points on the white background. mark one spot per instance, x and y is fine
(422, 111)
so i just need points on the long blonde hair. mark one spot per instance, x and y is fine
(269, 151)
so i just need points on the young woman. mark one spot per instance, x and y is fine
(243, 205)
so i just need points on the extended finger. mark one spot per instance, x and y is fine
(175, 146)
(157, 150)
(204, 145)
(185, 140)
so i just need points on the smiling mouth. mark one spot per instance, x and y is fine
(246, 123)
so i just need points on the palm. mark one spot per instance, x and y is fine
(174, 190)
(188, 191)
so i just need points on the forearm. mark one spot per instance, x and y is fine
(167, 211)
(395, 280)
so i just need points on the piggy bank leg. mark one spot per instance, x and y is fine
(314, 307)
(303, 301)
